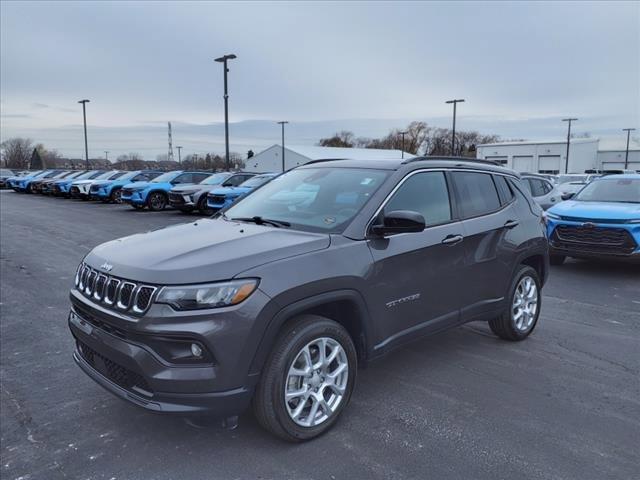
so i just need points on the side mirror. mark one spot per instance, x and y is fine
(400, 221)
(567, 196)
(225, 184)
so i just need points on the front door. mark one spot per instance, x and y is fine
(415, 275)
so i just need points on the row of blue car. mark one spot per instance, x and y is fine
(187, 191)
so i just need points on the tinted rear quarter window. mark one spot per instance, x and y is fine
(476, 193)
(504, 191)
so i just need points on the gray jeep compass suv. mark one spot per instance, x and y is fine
(276, 300)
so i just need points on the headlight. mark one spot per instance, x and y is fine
(635, 220)
(213, 295)
(553, 216)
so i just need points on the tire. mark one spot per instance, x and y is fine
(557, 259)
(157, 201)
(269, 405)
(30, 188)
(507, 326)
(137, 207)
(116, 196)
(203, 208)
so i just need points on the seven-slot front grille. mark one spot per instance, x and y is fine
(114, 292)
(594, 239)
(216, 199)
(127, 192)
(94, 188)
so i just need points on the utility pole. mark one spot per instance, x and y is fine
(224, 60)
(106, 155)
(566, 161)
(453, 133)
(179, 158)
(403, 134)
(170, 152)
(86, 145)
(626, 153)
(283, 124)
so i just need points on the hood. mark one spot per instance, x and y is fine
(102, 182)
(207, 250)
(230, 191)
(136, 185)
(81, 182)
(194, 187)
(597, 210)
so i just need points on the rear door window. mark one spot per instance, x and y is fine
(184, 178)
(425, 193)
(198, 177)
(476, 193)
(536, 186)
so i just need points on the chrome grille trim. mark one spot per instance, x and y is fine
(97, 286)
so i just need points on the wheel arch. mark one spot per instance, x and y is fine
(346, 307)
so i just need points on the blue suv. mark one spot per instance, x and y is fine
(600, 221)
(111, 190)
(23, 184)
(60, 188)
(223, 197)
(155, 194)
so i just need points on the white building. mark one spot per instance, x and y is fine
(270, 160)
(550, 156)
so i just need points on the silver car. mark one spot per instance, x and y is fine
(543, 191)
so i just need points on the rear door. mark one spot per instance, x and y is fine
(415, 275)
(489, 221)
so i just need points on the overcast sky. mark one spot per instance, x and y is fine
(368, 66)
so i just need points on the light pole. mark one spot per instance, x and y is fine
(283, 124)
(626, 153)
(179, 158)
(566, 161)
(86, 145)
(403, 134)
(223, 60)
(106, 155)
(453, 134)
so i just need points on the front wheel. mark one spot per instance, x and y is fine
(157, 201)
(203, 207)
(523, 310)
(116, 196)
(307, 380)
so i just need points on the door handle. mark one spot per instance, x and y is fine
(452, 239)
(511, 224)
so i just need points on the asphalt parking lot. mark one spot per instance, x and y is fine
(565, 404)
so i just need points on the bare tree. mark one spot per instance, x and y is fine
(343, 139)
(17, 152)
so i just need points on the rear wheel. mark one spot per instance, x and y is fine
(157, 201)
(557, 259)
(307, 380)
(521, 316)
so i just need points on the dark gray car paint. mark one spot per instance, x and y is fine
(395, 288)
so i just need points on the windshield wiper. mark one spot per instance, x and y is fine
(262, 221)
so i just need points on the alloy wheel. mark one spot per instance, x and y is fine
(525, 304)
(316, 382)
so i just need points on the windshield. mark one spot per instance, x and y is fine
(4, 171)
(104, 176)
(116, 175)
(256, 181)
(215, 179)
(165, 177)
(128, 175)
(313, 199)
(572, 178)
(73, 175)
(625, 190)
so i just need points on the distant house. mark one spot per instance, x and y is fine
(270, 160)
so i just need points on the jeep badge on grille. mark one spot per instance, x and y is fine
(106, 267)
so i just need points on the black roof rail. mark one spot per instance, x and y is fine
(457, 159)
(319, 160)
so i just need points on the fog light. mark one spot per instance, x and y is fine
(196, 350)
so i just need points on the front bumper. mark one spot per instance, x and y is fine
(182, 202)
(121, 354)
(615, 241)
(135, 198)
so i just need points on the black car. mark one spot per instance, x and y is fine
(276, 301)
